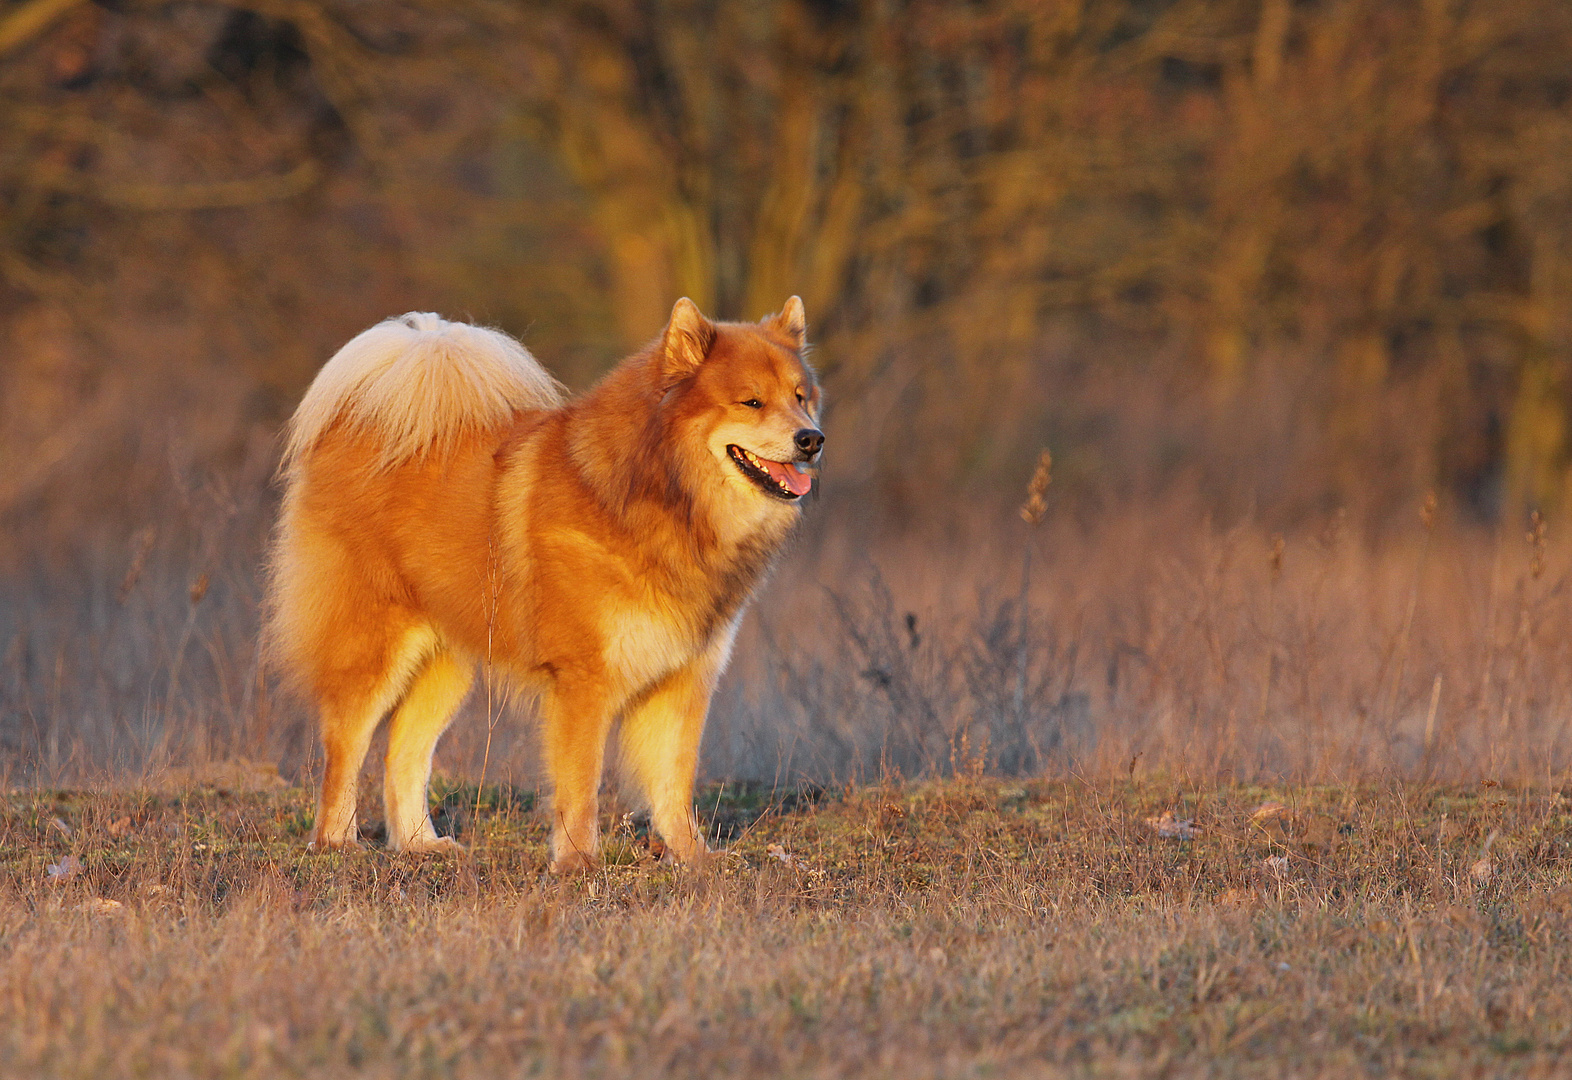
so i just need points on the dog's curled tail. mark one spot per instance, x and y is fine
(417, 383)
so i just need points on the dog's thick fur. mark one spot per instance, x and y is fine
(445, 507)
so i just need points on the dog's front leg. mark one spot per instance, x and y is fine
(660, 751)
(660, 747)
(577, 716)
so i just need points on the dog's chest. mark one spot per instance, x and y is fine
(644, 644)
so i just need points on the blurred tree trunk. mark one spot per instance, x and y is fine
(1538, 451)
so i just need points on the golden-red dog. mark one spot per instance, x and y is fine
(446, 507)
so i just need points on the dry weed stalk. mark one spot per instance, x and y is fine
(494, 588)
(1275, 569)
(1427, 518)
(141, 544)
(1523, 637)
(1032, 511)
(1430, 721)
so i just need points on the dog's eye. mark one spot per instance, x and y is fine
(800, 399)
(754, 403)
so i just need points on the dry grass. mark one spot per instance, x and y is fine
(1235, 653)
(1313, 655)
(963, 928)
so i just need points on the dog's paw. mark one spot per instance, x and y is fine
(692, 851)
(574, 862)
(435, 845)
(320, 847)
(699, 859)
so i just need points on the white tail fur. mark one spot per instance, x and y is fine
(418, 382)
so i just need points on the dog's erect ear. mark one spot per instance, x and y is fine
(686, 341)
(791, 321)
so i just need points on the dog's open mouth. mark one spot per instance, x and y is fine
(783, 479)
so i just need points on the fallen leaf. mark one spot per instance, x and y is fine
(677, 1017)
(1172, 828)
(99, 905)
(775, 851)
(61, 825)
(1276, 865)
(1483, 867)
(1270, 811)
(234, 777)
(66, 868)
(1460, 916)
(120, 826)
(1318, 834)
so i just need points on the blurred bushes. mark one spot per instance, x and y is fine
(1294, 254)
(1248, 268)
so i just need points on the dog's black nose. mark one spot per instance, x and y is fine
(809, 440)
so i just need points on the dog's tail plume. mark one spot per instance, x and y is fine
(418, 382)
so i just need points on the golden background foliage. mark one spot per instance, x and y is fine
(1254, 265)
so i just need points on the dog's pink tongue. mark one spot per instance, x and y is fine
(787, 473)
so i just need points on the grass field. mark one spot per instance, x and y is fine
(964, 928)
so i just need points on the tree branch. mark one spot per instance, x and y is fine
(24, 23)
(212, 195)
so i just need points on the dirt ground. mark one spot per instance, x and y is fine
(964, 928)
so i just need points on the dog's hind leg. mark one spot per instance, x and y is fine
(366, 679)
(577, 718)
(418, 722)
(660, 748)
(345, 738)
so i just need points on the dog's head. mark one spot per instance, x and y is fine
(743, 392)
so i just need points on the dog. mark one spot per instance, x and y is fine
(445, 506)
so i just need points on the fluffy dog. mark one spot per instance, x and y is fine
(445, 506)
